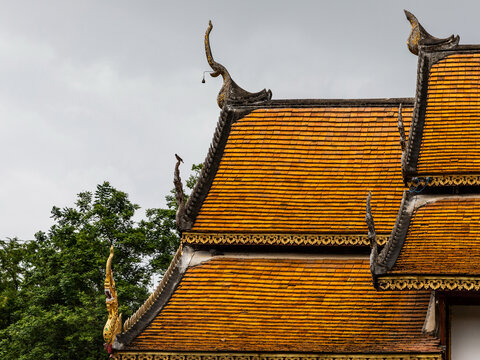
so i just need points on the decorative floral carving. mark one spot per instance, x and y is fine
(280, 239)
(429, 283)
(452, 180)
(240, 356)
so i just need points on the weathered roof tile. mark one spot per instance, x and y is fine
(307, 170)
(281, 304)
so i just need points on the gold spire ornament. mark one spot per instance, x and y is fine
(113, 327)
(230, 91)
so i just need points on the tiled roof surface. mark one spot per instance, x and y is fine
(281, 305)
(443, 238)
(307, 170)
(451, 140)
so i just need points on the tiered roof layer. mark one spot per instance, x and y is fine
(443, 238)
(287, 305)
(451, 140)
(307, 170)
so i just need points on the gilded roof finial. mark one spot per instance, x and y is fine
(401, 128)
(113, 327)
(230, 91)
(420, 37)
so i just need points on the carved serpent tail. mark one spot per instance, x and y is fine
(218, 69)
(230, 91)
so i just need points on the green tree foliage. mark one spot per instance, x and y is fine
(52, 298)
(12, 252)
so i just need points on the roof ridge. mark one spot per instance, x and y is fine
(293, 103)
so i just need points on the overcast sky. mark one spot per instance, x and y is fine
(110, 90)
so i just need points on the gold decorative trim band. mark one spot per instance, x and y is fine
(151, 299)
(452, 180)
(429, 283)
(279, 239)
(248, 356)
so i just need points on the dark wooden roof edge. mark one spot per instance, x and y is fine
(381, 263)
(154, 304)
(306, 103)
(412, 151)
(426, 59)
(228, 116)
(461, 48)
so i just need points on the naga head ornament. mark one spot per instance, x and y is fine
(113, 325)
(230, 91)
(419, 37)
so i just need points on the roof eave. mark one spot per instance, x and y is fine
(157, 300)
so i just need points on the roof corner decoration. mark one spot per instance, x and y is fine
(113, 327)
(430, 50)
(432, 252)
(230, 92)
(180, 220)
(372, 236)
(375, 265)
(420, 38)
(385, 260)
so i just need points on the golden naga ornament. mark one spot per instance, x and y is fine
(113, 327)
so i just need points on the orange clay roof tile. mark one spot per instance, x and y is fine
(451, 140)
(440, 236)
(307, 170)
(281, 305)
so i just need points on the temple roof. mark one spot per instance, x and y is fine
(285, 303)
(305, 169)
(436, 242)
(445, 139)
(440, 235)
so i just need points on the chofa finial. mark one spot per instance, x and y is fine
(113, 327)
(420, 37)
(230, 91)
(401, 128)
